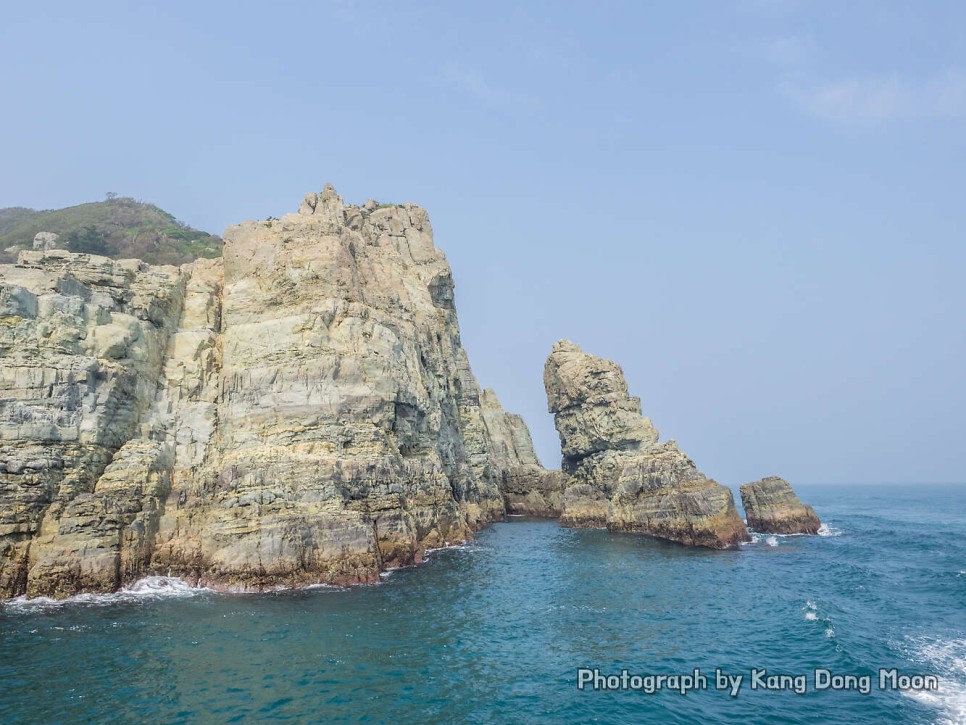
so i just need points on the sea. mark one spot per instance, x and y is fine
(534, 623)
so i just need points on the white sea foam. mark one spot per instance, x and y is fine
(467, 546)
(812, 615)
(773, 539)
(161, 586)
(313, 587)
(151, 587)
(947, 660)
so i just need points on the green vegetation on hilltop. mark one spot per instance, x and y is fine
(118, 227)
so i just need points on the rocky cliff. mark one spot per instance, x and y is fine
(772, 507)
(616, 473)
(299, 411)
(528, 488)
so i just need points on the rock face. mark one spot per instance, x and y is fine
(45, 240)
(772, 507)
(82, 343)
(528, 488)
(301, 411)
(616, 473)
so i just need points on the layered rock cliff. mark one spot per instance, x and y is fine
(772, 507)
(301, 411)
(615, 471)
(528, 488)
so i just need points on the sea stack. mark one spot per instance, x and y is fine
(616, 473)
(300, 411)
(772, 507)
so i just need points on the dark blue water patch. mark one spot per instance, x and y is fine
(495, 631)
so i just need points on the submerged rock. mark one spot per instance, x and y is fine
(615, 471)
(772, 507)
(301, 411)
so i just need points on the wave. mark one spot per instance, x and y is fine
(811, 611)
(148, 588)
(465, 546)
(947, 660)
(757, 537)
(812, 615)
(770, 539)
(320, 585)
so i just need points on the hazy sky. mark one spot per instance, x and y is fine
(755, 207)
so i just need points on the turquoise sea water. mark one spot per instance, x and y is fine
(495, 631)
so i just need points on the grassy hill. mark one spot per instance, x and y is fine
(118, 227)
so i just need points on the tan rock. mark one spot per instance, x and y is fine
(772, 507)
(528, 488)
(616, 473)
(45, 240)
(82, 346)
(301, 411)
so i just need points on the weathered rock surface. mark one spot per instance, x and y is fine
(528, 488)
(616, 473)
(772, 507)
(301, 411)
(82, 341)
(45, 240)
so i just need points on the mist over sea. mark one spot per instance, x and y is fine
(496, 630)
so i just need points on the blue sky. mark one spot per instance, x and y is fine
(755, 207)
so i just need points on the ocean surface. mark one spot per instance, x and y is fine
(496, 630)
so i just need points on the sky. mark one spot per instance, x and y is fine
(755, 207)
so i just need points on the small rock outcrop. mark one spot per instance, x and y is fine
(45, 240)
(615, 471)
(300, 411)
(771, 507)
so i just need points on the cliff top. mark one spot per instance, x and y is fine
(118, 227)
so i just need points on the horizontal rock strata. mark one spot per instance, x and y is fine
(771, 507)
(616, 473)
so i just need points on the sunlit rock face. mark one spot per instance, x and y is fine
(615, 471)
(299, 411)
(772, 507)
